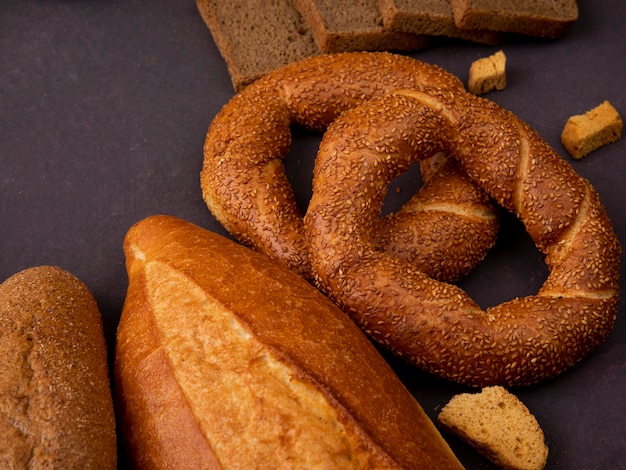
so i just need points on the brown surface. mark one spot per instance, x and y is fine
(354, 25)
(430, 17)
(544, 18)
(105, 110)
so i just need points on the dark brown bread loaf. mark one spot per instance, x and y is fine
(56, 409)
(430, 17)
(544, 18)
(226, 359)
(354, 25)
(256, 37)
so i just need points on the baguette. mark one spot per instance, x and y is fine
(227, 359)
(56, 409)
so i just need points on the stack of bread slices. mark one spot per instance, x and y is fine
(256, 37)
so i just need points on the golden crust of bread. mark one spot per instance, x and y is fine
(249, 365)
(436, 325)
(243, 178)
(56, 409)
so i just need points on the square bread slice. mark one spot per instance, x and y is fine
(353, 25)
(487, 74)
(430, 17)
(584, 133)
(255, 37)
(499, 426)
(543, 18)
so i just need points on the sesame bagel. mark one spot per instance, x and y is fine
(244, 183)
(436, 325)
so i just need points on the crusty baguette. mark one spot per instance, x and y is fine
(56, 409)
(226, 359)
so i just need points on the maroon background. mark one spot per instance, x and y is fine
(104, 108)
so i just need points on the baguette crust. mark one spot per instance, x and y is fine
(243, 178)
(56, 409)
(250, 366)
(436, 325)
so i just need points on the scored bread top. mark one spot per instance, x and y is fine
(192, 292)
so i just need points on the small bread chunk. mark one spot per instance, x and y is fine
(499, 426)
(487, 74)
(587, 132)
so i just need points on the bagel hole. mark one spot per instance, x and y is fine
(402, 188)
(514, 267)
(299, 164)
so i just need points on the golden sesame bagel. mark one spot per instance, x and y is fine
(244, 183)
(436, 325)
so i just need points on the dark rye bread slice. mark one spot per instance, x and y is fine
(354, 25)
(430, 17)
(542, 18)
(255, 36)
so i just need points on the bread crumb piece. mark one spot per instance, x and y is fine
(499, 426)
(587, 132)
(487, 74)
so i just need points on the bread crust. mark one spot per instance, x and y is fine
(243, 179)
(293, 327)
(538, 18)
(342, 26)
(436, 325)
(56, 409)
(431, 17)
(256, 37)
